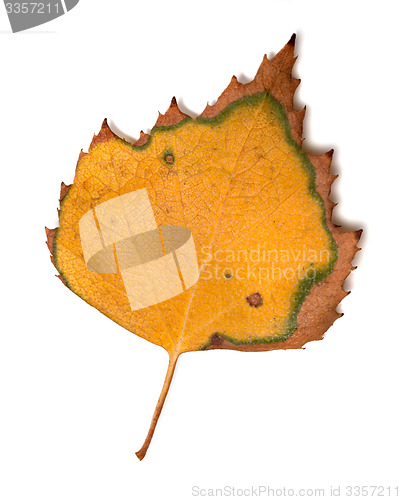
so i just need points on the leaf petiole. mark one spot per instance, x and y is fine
(165, 389)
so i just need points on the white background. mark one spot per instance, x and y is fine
(77, 391)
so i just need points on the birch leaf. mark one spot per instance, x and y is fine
(213, 232)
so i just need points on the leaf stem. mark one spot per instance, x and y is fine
(168, 379)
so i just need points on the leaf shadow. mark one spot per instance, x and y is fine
(118, 131)
(183, 107)
(309, 146)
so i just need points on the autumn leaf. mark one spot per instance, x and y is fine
(212, 232)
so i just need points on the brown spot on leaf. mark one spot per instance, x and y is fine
(169, 159)
(216, 340)
(254, 299)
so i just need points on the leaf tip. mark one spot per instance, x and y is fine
(50, 233)
(142, 139)
(357, 235)
(61, 279)
(292, 40)
(172, 116)
(64, 188)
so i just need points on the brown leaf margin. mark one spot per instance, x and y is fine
(51, 233)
